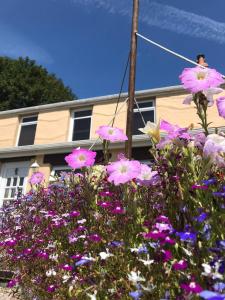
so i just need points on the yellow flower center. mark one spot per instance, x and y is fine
(201, 75)
(123, 169)
(81, 157)
(111, 131)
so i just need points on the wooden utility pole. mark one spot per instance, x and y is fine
(131, 92)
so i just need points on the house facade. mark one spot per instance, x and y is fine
(46, 134)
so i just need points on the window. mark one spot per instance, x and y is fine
(81, 125)
(27, 131)
(147, 110)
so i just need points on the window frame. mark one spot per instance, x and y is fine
(25, 124)
(144, 109)
(79, 118)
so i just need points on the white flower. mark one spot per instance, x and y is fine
(135, 277)
(81, 221)
(65, 278)
(147, 262)
(105, 255)
(214, 148)
(54, 257)
(50, 273)
(152, 129)
(93, 296)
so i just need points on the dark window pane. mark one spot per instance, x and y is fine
(21, 181)
(83, 113)
(14, 181)
(144, 104)
(13, 192)
(137, 120)
(8, 181)
(81, 129)
(30, 119)
(27, 135)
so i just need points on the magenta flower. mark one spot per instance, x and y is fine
(198, 79)
(191, 287)
(12, 283)
(180, 265)
(37, 178)
(155, 235)
(220, 102)
(80, 158)
(67, 267)
(94, 238)
(74, 213)
(146, 176)
(111, 134)
(118, 210)
(51, 288)
(123, 171)
(104, 204)
(166, 255)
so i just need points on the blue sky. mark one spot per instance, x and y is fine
(86, 42)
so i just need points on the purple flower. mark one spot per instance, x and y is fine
(187, 236)
(199, 187)
(219, 286)
(220, 102)
(123, 171)
(199, 140)
(180, 265)
(111, 134)
(12, 283)
(104, 204)
(51, 288)
(136, 294)
(191, 287)
(209, 181)
(198, 79)
(208, 295)
(147, 176)
(214, 146)
(36, 178)
(201, 217)
(80, 158)
(155, 235)
(82, 262)
(167, 255)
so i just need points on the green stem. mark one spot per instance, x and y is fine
(201, 103)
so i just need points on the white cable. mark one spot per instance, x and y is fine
(125, 101)
(143, 120)
(172, 52)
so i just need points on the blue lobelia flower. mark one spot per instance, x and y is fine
(136, 294)
(208, 295)
(219, 286)
(187, 236)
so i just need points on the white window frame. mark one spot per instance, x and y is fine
(56, 168)
(25, 124)
(72, 121)
(143, 109)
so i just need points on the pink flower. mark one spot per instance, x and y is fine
(74, 213)
(198, 79)
(36, 178)
(104, 204)
(167, 255)
(191, 287)
(180, 265)
(111, 134)
(146, 176)
(208, 93)
(67, 267)
(220, 102)
(51, 288)
(214, 147)
(123, 171)
(80, 158)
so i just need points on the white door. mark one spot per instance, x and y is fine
(13, 180)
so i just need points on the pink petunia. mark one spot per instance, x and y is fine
(123, 171)
(37, 178)
(111, 134)
(147, 176)
(198, 79)
(220, 102)
(80, 158)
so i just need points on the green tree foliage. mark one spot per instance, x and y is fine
(23, 83)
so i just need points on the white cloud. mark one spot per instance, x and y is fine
(165, 17)
(14, 45)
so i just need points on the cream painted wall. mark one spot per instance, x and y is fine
(52, 127)
(8, 131)
(173, 110)
(103, 114)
